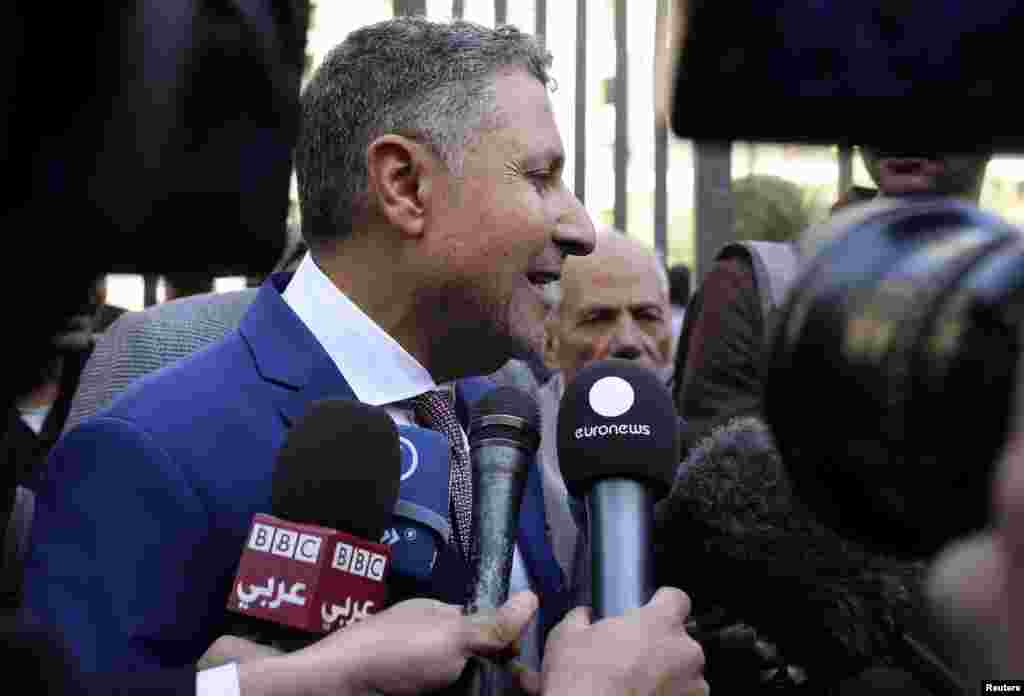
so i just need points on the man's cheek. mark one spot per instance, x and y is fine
(601, 348)
(590, 349)
(664, 347)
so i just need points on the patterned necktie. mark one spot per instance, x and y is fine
(435, 410)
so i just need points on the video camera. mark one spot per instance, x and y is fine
(891, 372)
(779, 54)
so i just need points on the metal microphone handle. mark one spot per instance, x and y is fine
(500, 468)
(621, 515)
(499, 477)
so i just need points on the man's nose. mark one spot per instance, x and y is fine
(627, 341)
(574, 230)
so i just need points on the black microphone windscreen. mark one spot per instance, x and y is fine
(732, 519)
(617, 420)
(339, 468)
(507, 412)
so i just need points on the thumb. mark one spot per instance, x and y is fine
(492, 631)
(233, 649)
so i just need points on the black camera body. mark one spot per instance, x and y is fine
(892, 367)
(809, 57)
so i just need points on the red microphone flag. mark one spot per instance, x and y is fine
(312, 578)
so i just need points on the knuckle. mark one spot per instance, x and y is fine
(677, 602)
(684, 605)
(492, 629)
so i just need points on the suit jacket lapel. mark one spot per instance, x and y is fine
(288, 355)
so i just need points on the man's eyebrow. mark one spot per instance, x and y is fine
(647, 305)
(597, 308)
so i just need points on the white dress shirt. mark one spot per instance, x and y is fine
(218, 681)
(35, 417)
(379, 370)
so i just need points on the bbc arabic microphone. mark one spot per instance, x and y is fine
(308, 568)
(618, 448)
(504, 434)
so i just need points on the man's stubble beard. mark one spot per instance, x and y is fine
(479, 336)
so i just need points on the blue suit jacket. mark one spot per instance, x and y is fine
(143, 510)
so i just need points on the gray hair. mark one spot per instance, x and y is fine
(426, 80)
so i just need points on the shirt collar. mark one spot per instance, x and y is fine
(376, 367)
(558, 385)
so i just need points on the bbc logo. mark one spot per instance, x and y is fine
(285, 543)
(357, 561)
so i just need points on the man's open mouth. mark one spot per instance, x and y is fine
(912, 166)
(540, 278)
(548, 287)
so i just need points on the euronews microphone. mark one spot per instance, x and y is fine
(618, 447)
(504, 435)
(309, 568)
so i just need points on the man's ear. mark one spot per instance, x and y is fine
(399, 174)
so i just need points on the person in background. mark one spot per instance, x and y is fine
(106, 314)
(679, 297)
(900, 173)
(32, 421)
(613, 303)
(718, 364)
(184, 284)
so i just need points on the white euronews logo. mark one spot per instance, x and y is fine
(611, 397)
(618, 429)
(285, 543)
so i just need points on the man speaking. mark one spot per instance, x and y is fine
(429, 168)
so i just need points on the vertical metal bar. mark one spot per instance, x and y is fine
(541, 20)
(661, 188)
(581, 100)
(410, 7)
(713, 205)
(458, 9)
(149, 282)
(845, 169)
(660, 144)
(621, 116)
(500, 12)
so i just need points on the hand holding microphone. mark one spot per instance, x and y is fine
(618, 447)
(420, 645)
(414, 647)
(504, 435)
(644, 651)
(310, 568)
